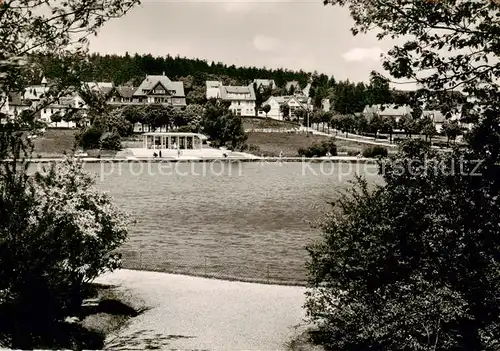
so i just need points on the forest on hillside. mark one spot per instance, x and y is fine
(345, 96)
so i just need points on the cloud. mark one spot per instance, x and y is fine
(265, 43)
(363, 54)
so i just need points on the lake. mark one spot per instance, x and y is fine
(246, 221)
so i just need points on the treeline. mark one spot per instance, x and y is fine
(345, 97)
(131, 69)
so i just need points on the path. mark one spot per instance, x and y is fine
(191, 313)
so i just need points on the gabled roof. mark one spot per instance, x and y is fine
(283, 100)
(125, 91)
(243, 93)
(151, 81)
(103, 87)
(307, 89)
(388, 110)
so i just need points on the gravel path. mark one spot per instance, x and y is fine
(191, 313)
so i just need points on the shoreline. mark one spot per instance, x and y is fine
(337, 159)
(224, 278)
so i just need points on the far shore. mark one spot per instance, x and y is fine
(336, 159)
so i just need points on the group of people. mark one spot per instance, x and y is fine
(160, 155)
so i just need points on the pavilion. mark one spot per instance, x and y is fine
(174, 140)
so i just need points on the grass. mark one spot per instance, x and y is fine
(54, 143)
(265, 123)
(271, 144)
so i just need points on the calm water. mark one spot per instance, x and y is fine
(247, 221)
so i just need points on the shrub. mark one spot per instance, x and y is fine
(375, 151)
(110, 141)
(253, 148)
(65, 235)
(407, 265)
(89, 138)
(319, 150)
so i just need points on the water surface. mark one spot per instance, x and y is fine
(248, 221)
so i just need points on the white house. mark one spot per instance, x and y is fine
(275, 102)
(242, 99)
(213, 89)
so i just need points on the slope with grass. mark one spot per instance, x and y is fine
(271, 144)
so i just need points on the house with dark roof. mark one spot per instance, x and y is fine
(160, 90)
(242, 99)
(122, 94)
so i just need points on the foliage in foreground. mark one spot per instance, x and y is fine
(57, 234)
(413, 264)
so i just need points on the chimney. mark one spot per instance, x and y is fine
(163, 73)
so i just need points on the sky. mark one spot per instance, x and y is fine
(293, 34)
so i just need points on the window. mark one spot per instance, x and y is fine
(159, 91)
(239, 102)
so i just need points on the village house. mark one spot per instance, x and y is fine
(275, 102)
(160, 90)
(387, 111)
(213, 89)
(242, 99)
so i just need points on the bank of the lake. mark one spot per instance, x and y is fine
(334, 159)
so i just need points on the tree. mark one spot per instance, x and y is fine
(285, 110)
(266, 108)
(451, 129)
(378, 92)
(428, 128)
(376, 284)
(223, 127)
(56, 231)
(56, 118)
(193, 115)
(413, 264)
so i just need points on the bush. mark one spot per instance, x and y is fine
(319, 150)
(375, 151)
(411, 264)
(353, 152)
(65, 235)
(110, 141)
(89, 138)
(253, 148)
